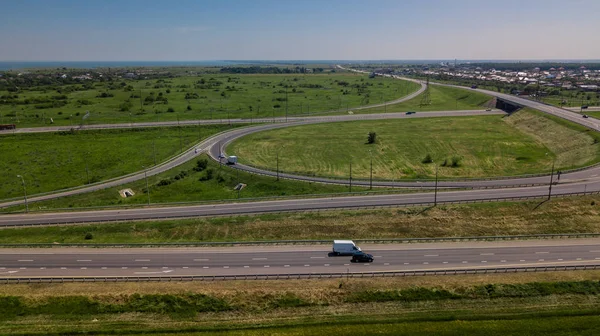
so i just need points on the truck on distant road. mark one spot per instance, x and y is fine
(344, 247)
(232, 160)
(7, 127)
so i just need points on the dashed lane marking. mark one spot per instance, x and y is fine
(225, 266)
(578, 259)
(84, 268)
(63, 268)
(22, 267)
(25, 260)
(205, 267)
(267, 266)
(486, 254)
(142, 260)
(464, 262)
(522, 260)
(406, 263)
(559, 259)
(286, 265)
(540, 259)
(386, 264)
(123, 267)
(432, 255)
(484, 261)
(246, 266)
(502, 260)
(317, 257)
(306, 265)
(444, 262)
(259, 258)
(326, 265)
(426, 263)
(144, 267)
(104, 267)
(544, 252)
(200, 259)
(83, 260)
(185, 267)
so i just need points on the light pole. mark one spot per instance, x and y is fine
(371, 177)
(147, 188)
(277, 165)
(350, 180)
(436, 185)
(551, 178)
(24, 193)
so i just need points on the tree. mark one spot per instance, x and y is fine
(372, 138)
(427, 159)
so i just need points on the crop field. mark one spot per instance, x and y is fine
(441, 99)
(460, 147)
(53, 161)
(208, 96)
(479, 305)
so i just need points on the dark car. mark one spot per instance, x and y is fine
(585, 116)
(362, 257)
(411, 112)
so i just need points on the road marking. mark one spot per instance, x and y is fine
(540, 259)
(246, 266)
(502, 260)
(559, 259)
(377, 256)
(317, 257)
(83, 267)
(185, 267)
(2, 267)
(165, 267)
(521, 260)
(464, 262)
(83, 260)
(578, 259)
(200, 259)
(406, 263)
(42, 267)
(9, 272)
(542, 252)
(386, 264)
(426, 263)
(326, 265)
(205, 267)
(286, 265)
(306, 265)
(267, 266)
(486, 254)
(259, 258)
(63, 268)
(25, 260)
(22, 267)
(159, 272)
(140, 260)
(225, 266)
(445, 262)
(103, 267)
(595, 251)
(484, 261)
(432, 255)
(346, 264)
(144, 267)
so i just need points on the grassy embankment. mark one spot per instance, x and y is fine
(483, 304)
(53, 161)
(189, 183)
(561, 215)
(208, 96)
(441, 99)
(482, 146)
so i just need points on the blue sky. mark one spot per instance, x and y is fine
(183, 30)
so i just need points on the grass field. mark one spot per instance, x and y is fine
(186, 184)
(441, 99)
(210, 96)
(52, 161)
(561, 215)
(498, 304)
(482, 146)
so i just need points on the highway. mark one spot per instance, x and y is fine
(79, 262)
(302, 204)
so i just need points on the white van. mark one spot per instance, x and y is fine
(344, 247)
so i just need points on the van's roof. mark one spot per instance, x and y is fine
(343, 242)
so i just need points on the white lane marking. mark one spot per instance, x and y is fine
(225, 266)
(185, 267)
(200, 259)
(317, 257)
(542, 252)
(559, 259)
(205, 267)
(502, 260)
(464, 262)
(426, 263)
(165, 267)
(83, 260)
(595, 251)
(84, 268)
(159, 272)
(306, 265)
(326, 265)
(104, 268)
(578, 259)
(444, 262)
(246, 266)
(63, 268)
(22, 267)
(367, 264)
(144, 267)
(2, 267)
(484, 261)
(377, 257)
(267, 266)
(259, 258)
(432, 255)
(25, 260)
(386, 264)
(123, 267)
(521, 260)
(286, 265)
(596, 258)
(540, 259)
(406, 263)
(9, 272)
(486, 254)
(142, 260)
(42, 267)
(346, 264)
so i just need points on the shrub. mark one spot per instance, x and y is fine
(201, 165)
(372, 138)
(170, 109)
(445, 163)
(427, 159)
(455, 161)
(89, 236)
(164, 182)
(189, 108)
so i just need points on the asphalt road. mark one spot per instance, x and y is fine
(293, 259)
(286, 205)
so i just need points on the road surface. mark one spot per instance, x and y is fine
(68, 262)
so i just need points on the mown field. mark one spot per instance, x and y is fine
(513, 304)
(190, 182)
(460, 147)
(209, 96)
(560, 215)
(53, 161)
(441, 99)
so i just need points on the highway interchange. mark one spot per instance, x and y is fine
(313, 259)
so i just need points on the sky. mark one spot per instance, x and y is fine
(195, 30)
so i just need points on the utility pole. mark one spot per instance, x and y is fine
(371, 178)
(147, 187)
(286, 101)
(180, 140)
(87, 171)
(436, 185)
(24, 193)
(277, 165)
(154, 150)
(350, 180)
(551, 180)
(141, 103)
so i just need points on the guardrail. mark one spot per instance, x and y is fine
(311, 242)
(340, 275)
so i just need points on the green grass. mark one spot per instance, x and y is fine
(563, 215)
(484, 145)
(185, 184)
(220, 97)
(533, 308)
(53, 161)
(441, 99)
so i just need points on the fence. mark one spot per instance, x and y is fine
(292, 276)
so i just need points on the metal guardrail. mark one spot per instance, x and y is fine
(312, 242)
(340, 275)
